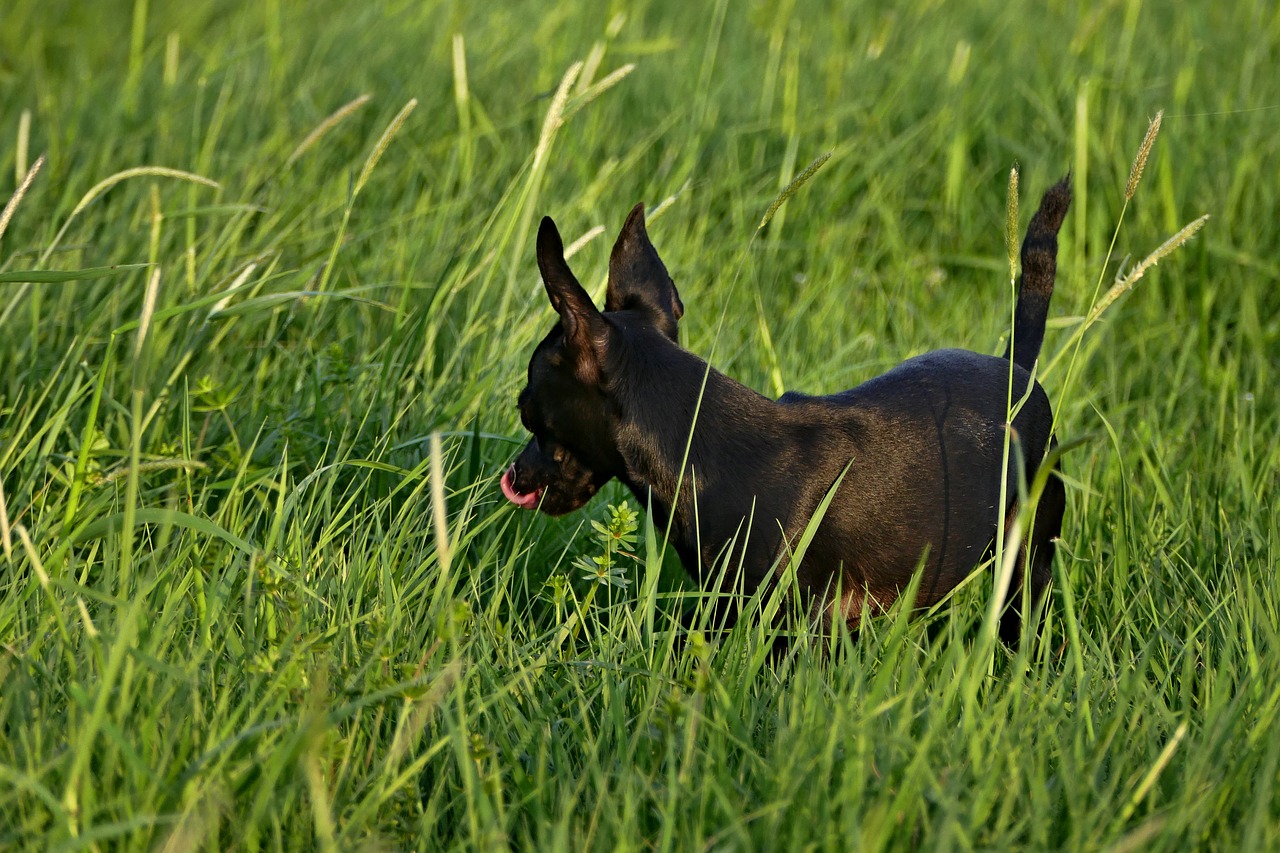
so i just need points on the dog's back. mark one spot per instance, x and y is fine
(924, 446)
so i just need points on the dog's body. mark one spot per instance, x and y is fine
(917, 451)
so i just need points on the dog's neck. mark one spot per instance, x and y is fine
(662, 393)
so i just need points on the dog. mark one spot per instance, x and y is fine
(917, 452)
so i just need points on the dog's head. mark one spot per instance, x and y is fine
(568, 402)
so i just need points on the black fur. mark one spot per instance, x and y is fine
(612, 395)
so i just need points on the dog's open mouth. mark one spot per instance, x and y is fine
(524, 500)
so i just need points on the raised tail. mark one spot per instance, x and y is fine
(1039, 265)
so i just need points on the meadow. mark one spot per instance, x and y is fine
(267, 294)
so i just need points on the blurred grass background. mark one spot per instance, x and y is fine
(230, 615)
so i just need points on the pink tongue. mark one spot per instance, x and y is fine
(524, 501)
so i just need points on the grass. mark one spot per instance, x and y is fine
(265, 308)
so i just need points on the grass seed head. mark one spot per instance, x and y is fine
(1144, 150)
(1011, 222)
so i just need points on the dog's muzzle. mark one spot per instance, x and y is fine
(524, 500)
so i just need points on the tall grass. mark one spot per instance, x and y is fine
(268, 296)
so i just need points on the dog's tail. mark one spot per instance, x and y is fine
(1039, 266)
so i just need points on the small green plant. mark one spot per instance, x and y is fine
(615, 539)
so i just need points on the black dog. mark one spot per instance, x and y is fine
(611, 394)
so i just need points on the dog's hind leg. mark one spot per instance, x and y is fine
(1036, 555)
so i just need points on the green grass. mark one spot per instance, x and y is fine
(248, 602)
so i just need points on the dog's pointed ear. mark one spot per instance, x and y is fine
(584, 328)
(638, 280)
